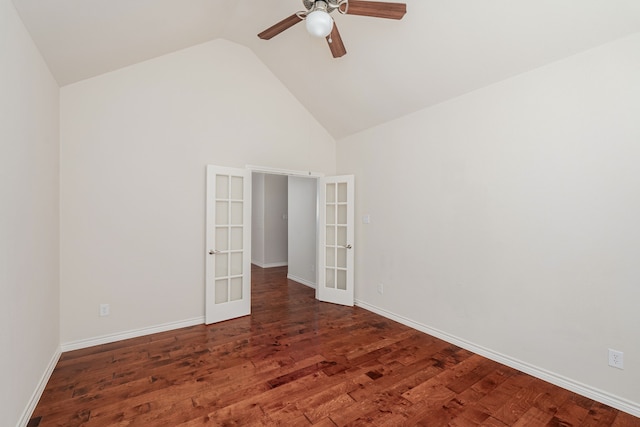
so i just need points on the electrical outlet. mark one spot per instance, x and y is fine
(380, 288)
(616, 359)
(104, 309)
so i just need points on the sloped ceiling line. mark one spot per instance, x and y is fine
(440, 50)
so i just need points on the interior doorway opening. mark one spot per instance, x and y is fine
(284, 222)
(228, 238)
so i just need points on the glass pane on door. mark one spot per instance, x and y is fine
(236, 213)
(331, 236)
(341, 281)
(222, 238)
(235, 289)
(236, 264)
(222, 267)
(222, 213)
(342, 214)
(330, 281)
(342, 192)
(222, 293)
(222, 187)
(342, 236)
(237, 182)
(236, 238)
(331, 214)
(331, 193)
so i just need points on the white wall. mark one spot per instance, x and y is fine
(509, 218)
(134, 145)
(275, 220)
(269, 227)
(29, 244)
(302, 229)
(257, 218)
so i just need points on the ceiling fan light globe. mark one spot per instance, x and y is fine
(319, 23)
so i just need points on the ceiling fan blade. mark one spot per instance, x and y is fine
(276, 29)
(335, 42)
(377, 9)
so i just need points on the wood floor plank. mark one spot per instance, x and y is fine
(624, 420)
(533, 417)
(471, 416)
(398, 381)
(326, 393)
(298, 362)
(517, 406)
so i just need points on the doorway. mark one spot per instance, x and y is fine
(284, 224)
(228, 221)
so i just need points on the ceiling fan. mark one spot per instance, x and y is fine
(320, 24)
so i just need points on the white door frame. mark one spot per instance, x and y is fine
(277, 171)
(288, 172)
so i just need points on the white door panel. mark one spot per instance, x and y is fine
(336, 234)
(228, 257)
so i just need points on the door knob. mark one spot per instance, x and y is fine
(213, 252)
(347, 246)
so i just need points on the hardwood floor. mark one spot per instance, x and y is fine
(298, 362)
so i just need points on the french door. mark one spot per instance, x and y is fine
(228, 257)
(336, 236)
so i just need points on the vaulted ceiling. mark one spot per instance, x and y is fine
(440, 50)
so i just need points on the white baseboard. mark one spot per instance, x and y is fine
(598, 395)
(270, 264)
(35, 397)
(301, 281)
(134, 333)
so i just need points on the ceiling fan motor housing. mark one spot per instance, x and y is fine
(326, 5)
